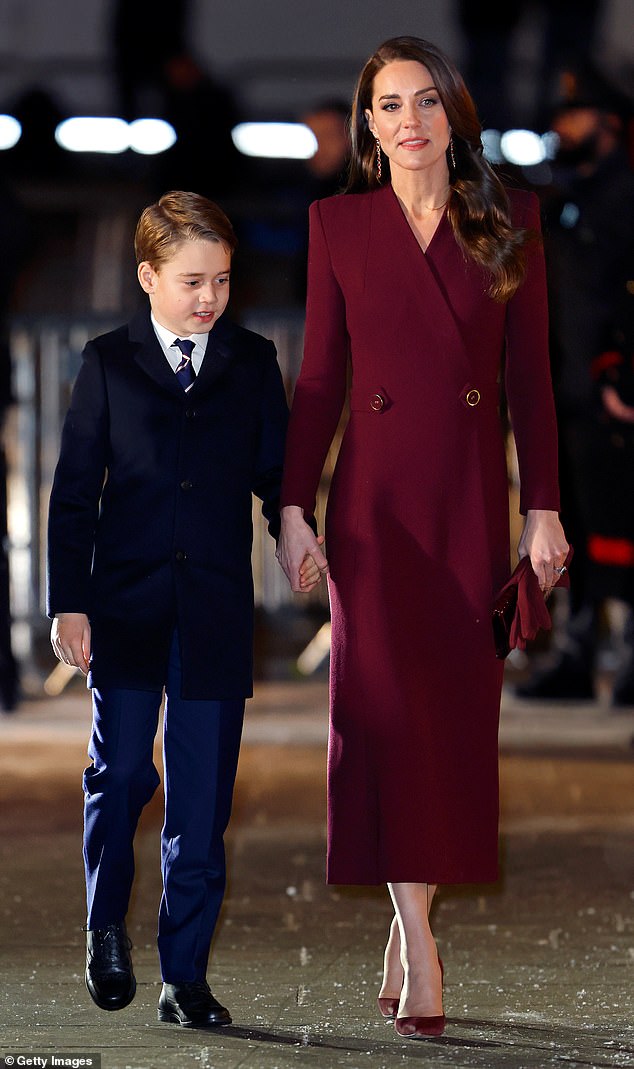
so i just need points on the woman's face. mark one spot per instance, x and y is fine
(408, 117)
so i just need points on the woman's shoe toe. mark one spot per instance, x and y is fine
(388, 1007)
(419, 1027)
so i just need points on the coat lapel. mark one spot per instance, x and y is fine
(423, 279)
(218, 356)
(151, 358)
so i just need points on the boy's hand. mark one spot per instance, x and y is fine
(70, 639)
(309, 572)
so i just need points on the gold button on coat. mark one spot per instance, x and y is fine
(473, 398)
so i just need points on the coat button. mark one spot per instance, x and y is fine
(377, 402)
(473, 398)
(190, 413)
(186, 484)
(180, 555)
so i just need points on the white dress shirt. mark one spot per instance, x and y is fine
(173, 354)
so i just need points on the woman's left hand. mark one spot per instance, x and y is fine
(544, 541)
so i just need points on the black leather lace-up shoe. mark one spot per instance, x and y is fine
(191, 1005)
(109, 976)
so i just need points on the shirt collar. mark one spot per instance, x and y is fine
(166, 339)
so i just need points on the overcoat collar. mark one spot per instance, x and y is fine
(151, 358)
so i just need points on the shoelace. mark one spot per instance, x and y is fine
(197, 990)
(115, 944)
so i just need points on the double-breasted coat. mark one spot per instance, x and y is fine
(417, 526)
(150, 518)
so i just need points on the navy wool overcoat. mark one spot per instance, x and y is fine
(150, 519)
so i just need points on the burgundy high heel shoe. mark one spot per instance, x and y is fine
(388, 1007)
(421, 1027)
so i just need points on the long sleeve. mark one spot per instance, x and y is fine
(76, 492)
(270, 457)
(321, 386)
(528, 380)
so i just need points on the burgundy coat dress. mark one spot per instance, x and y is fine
(417, 526)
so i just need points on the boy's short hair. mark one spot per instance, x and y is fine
(179, 217)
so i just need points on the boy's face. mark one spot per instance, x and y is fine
(189, 292)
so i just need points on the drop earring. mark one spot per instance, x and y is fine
(452, 154)
(378, 158)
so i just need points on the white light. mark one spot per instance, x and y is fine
(85, 134)
(523, 147)
(10, 131)
(151, 136)
(275, 140)
(491, 146)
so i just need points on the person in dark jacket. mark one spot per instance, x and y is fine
(588, 218)
(175, 420)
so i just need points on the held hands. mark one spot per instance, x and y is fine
(70, 639)
(309, 573)
(544, 541)
(299, 552)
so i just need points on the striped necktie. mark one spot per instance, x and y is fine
(185, 372)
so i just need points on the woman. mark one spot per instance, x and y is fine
(420, 278)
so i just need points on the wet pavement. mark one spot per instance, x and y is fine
(539, 968)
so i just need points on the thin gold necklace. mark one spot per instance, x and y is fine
(439, 207)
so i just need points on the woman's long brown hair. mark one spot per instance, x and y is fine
(478, 207)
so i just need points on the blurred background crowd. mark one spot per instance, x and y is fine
(554, 85)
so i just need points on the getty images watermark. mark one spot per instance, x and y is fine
(18, 1059)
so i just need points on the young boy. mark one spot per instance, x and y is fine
(175, 419)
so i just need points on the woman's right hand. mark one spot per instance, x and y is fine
(296, 542)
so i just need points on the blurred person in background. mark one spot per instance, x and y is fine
(172, 83)
(203, 112)
(588, 216)
(141, 49)
(567, 35)
(323, 175)
(274, 222)
(570, 29)
(488, 30)
(37, 158)
(326, 171)
(493, 64)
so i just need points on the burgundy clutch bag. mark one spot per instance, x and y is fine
(504, 608)
(519, 610)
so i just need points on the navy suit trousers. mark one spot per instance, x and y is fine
(201, 742)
